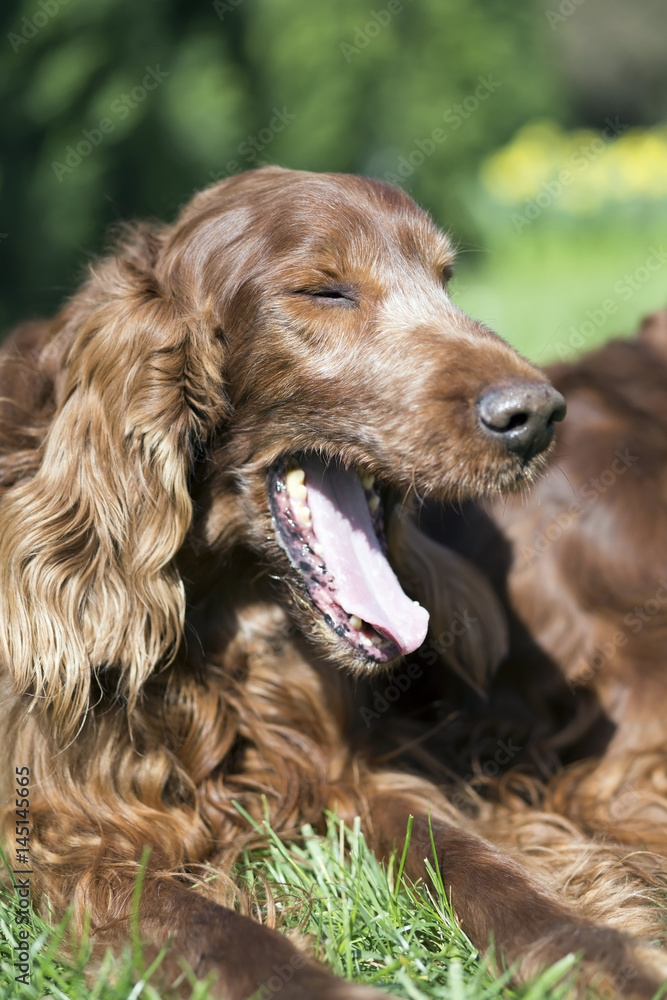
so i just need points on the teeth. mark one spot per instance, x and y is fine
(374, 503)
(294, 481)
(365, 641)
(302, 514)
(380, 642)
(355, 622)
(317, 549)
(367, 481)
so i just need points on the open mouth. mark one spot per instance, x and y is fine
(329, 521)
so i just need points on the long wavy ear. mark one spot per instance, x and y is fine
(467, 627)
(87, 546)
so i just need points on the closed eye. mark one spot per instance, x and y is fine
(329, 293)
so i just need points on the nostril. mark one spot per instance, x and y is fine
(501, 411)
(521, 415)
(516, 420)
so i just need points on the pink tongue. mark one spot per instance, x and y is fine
(366, 584)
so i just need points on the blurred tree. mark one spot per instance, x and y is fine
(115, 109)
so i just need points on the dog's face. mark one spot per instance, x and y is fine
(261, 375)
(349, 371)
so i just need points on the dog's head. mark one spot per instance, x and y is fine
(291, 336)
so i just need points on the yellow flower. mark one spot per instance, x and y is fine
(586, 169)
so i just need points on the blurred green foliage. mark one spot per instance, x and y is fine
(361, 97)
(117, 108)
(574, 227)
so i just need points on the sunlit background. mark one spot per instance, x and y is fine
(534, 130)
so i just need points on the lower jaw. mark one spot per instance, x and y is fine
(316, 584)
(300, 543)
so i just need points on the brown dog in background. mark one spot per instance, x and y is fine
(197, 457)
(579, 568)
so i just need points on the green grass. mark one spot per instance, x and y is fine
(367, 923)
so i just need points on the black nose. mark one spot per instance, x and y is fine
(521, 416)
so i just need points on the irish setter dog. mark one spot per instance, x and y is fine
(202, 459)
